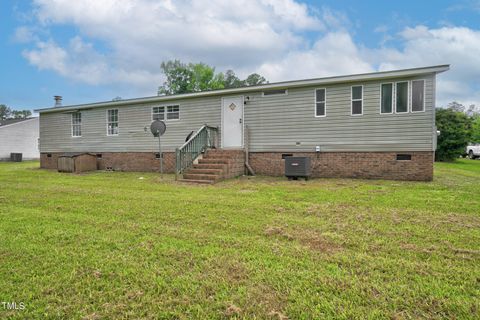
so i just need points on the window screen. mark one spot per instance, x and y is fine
(112, 122)
(418, 95)
(402, 97)
(357, 100)
(173, 112)
(158, 113)
(387, 98)
(76, 124)
(320, 107)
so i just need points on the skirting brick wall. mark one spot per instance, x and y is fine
(367, 165)
(121, 161)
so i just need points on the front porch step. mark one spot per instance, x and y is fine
(213, 161)
(194, 176)
(215, 166)
(220, 166)
(196, 181)
(205, 171)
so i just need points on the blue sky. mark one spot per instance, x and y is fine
(96, 50)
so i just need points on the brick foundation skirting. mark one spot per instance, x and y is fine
(366, 165)
(121, 161)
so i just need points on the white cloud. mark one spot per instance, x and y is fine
(334, 54)
(140, 34)
(265, 36)
(458, 46)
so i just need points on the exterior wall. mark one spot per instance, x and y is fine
(288, 123)
(121, 161)
(367, 165)
(277, 123)
(56, 130)
(20, 137)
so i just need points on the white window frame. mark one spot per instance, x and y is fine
(351, 101)
(408, 97)
(166, 112)
(118, 123)
(154, 113)
(76, 124)
(274, 94)
(324, 102)
(393, 97)
(424, 95)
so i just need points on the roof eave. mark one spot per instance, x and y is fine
(278, 85)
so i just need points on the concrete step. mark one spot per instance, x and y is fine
(196, 181)
(205, 171)
(193, 176)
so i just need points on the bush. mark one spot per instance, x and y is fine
(455, 133)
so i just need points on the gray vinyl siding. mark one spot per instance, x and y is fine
(276, 123)
(56, 134)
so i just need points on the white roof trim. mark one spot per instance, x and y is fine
(19, 122)
(277, 85)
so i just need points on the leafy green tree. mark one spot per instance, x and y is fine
(4, 112)
(21, 114)
(204, 78)
(455, 133)
(255, 79)
(179, 78)
(195, 77)
(476, 128)
(231, 80)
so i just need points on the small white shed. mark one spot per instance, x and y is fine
(19, 136)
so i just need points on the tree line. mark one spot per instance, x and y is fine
(458, 126)
(194, 77)
(7, 113)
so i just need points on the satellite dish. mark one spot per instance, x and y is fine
(158, 128)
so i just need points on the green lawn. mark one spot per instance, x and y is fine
(111, 245)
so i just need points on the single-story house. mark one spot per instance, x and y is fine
(19, 136)
(374, 125)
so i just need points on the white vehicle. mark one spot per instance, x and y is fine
(473, 150)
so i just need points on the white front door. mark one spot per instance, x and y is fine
(232, 122)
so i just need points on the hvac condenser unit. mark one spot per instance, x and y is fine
(297, 167)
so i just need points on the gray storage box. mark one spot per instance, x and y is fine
(296, 167)
(16, 157)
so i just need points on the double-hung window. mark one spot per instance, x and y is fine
(386, 98)
(76, 124)
(401, 97)
(158, 113)
(166, 113)
(357, 100)
(320, 102)
(418, 95)
(173, 112)
(112, 122)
